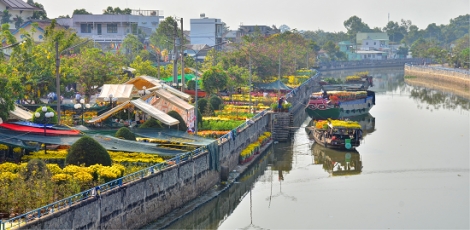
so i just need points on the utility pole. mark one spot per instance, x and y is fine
(175, 55)
(182, 57)
(57, 79)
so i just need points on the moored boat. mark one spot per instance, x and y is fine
(336, 134)
(340, 104)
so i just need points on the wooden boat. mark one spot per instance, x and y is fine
(336, 134)
(340, 104)
(337, 163)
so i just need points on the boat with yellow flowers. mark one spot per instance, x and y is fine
(340, 104)
(336, 134)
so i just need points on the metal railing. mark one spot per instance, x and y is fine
(96, 191)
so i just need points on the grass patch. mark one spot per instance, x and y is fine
(410, 77)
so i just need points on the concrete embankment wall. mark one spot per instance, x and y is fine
(439, 74)
(337, 65)
(136, 204)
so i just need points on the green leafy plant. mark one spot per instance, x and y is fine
(125, 133)
(182, 125)
(87, 151)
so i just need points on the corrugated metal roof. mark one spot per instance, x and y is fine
(154, 112)
(17, 4)
(174, 99)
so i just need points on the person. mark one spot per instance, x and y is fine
(78, 97)
(325, 94)
(281, 100)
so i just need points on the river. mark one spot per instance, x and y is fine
(410, 171)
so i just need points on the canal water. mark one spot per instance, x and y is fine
(410, 171)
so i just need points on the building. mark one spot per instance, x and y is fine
(370, 36)
(109, 30)
(248, 30)
(206, 30)
(17, 9)
(39, 27)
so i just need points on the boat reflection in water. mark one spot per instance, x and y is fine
(337, 163)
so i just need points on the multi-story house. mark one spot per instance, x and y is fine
(17, 9)
(109, 30)
(206, 31)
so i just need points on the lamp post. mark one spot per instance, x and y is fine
(57, 67)
(47, 116)
(110, 99)
(144, 91)
(195, 90)
(82, 105)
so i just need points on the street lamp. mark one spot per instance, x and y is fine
(144, 91)
(47, 116)
(82, 105)
(110, 99)
(57, 66)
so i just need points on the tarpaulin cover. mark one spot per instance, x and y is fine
(174, 99)
(122, 92)
(154, 112)
(187, 77)
(20, 139)
(271, 86)
(173, 136)
(31, 129)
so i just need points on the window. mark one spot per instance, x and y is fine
(367, 43)
(86, 28)
(111, 28)
(374, 43)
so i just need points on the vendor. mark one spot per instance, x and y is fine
(325, 94)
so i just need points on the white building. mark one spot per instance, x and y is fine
(371, 55)
(17, 9)
(109, 30)
(206, 30)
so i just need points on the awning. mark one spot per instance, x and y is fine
(174, 99)
(154, 112)
(174, 91)
(21, 114)
(110, 112)
(122, 92)
(187, 77)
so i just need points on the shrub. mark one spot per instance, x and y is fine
(36, 169)
(40, 120)
(89, 152)
(216, 102)
(125, 133)
(182, 125)
(191, 85)
(152, 123)
(202, 104)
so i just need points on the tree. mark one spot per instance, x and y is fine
(125, 133)
(165, 34)
(132, 47)
(394, 31)
(216, 102)
(355, 25)
(11, 90)
(182, 125)
(117, 10)
(18, 21)
(283, 28)
(402, 51)
(87, 151)
(6, 17)
(237, 76)
(80, 11)
(214, 80)
(38, 14)
(143, 67)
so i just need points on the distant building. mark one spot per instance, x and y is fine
(248, 30)
(17, 9)
(109, 30)
(370, 36)
(206, 30)
(39, 27)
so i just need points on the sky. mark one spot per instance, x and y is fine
(327, 15)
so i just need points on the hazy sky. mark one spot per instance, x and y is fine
(327, 15)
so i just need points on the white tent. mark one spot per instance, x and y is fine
(154, 112)
(122, 92)
(21, 114)
(152, 84)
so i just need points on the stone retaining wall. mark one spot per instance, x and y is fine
(435, 73)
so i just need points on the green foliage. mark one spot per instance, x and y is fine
(204, 106)
(80, 11)
(220, 125)
(36, 169)
(41, 120)
(125, 133)
(214, 80)
(116, 10)
(6, 17)
(38, 14)
(87, 151)
(191, 84)
(208, 110)
(182, 125)
(143, 67)
(216, 102)
(152, 123)
(132, 47)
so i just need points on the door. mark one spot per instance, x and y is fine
(98, 28)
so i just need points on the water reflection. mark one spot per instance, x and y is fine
(438, 99)
(337, 163)
(213, 213)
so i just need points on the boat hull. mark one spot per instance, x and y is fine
(316, 110)
(320, 139)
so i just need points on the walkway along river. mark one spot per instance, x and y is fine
(414, 174)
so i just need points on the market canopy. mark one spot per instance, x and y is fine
(277, 85)
(122, 92)
(154, 112)
(174, 99)
(110, 112)
(20, 114)
(187, 77)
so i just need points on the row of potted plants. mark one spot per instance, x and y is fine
(254, 148)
